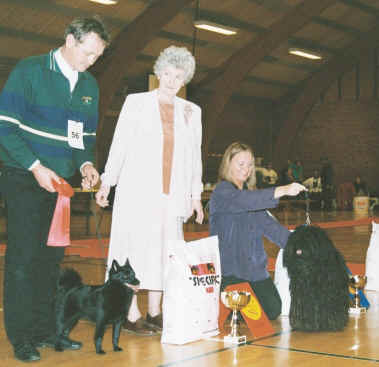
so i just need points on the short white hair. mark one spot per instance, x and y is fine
(178, 57)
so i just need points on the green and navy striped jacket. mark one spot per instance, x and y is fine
(35, 106)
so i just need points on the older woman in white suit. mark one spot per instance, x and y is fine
(155, 161)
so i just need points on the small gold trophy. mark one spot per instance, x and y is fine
(357, 282)
(236, 301)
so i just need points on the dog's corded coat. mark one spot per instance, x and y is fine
(318, 281)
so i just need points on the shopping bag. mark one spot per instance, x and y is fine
(191, 291)
(372, 260)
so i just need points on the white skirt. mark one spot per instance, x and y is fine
(144, 243)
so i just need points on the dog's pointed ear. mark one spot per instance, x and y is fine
(115, 265)
(127, 262)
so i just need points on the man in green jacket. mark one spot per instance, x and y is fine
(48, 120)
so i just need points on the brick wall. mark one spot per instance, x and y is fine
(241, 121)
(347, 131)
(344, 125)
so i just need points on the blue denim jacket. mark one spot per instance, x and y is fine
(239, 219)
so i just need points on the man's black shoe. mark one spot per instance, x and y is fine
(26, 352)
(65, 343)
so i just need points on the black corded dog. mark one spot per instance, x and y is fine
(318, 281)
(104, 304)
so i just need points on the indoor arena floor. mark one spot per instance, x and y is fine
(356, 345)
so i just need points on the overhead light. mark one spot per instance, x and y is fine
(105, 2)
(214, 27)
(304, 53)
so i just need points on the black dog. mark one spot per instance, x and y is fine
(103, 304)
(318, 281)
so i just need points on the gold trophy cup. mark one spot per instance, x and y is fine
(236, 301)
(357, 282)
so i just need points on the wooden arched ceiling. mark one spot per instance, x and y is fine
(238, 66)
(142, 28)
(317, 84)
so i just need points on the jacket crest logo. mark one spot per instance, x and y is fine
(87, 100)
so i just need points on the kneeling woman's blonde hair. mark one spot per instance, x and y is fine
(224, 170)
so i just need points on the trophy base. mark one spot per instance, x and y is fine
(357, 310)
(240, 339)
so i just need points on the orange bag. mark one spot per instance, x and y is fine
(59, 234)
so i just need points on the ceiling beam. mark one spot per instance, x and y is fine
(337, 26)
(219, 17)
(238, 66)
(361, 6)
(30, 36)
(317, 84)
(267, 81)
(131, 40)
(55, 42)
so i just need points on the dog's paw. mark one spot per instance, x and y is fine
(117, 348)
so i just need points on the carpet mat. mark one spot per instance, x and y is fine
(94, 248)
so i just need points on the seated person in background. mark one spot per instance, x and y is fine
(239, 217)
(260, 172)
(360, 187)
(270, 176)
(286, 174)
(313, 184)
(297, 171)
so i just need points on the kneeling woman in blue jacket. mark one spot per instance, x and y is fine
(239, 218)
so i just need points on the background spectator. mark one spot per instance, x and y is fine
(260, 173)
(286, 174)
(327, 182)
(313, 184)
(360, 187)
(297, 171)
(270, 175)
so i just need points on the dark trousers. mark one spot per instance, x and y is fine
(266, 292)
(31, 267)
(328, 196)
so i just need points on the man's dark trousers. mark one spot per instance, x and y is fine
(31, 267)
